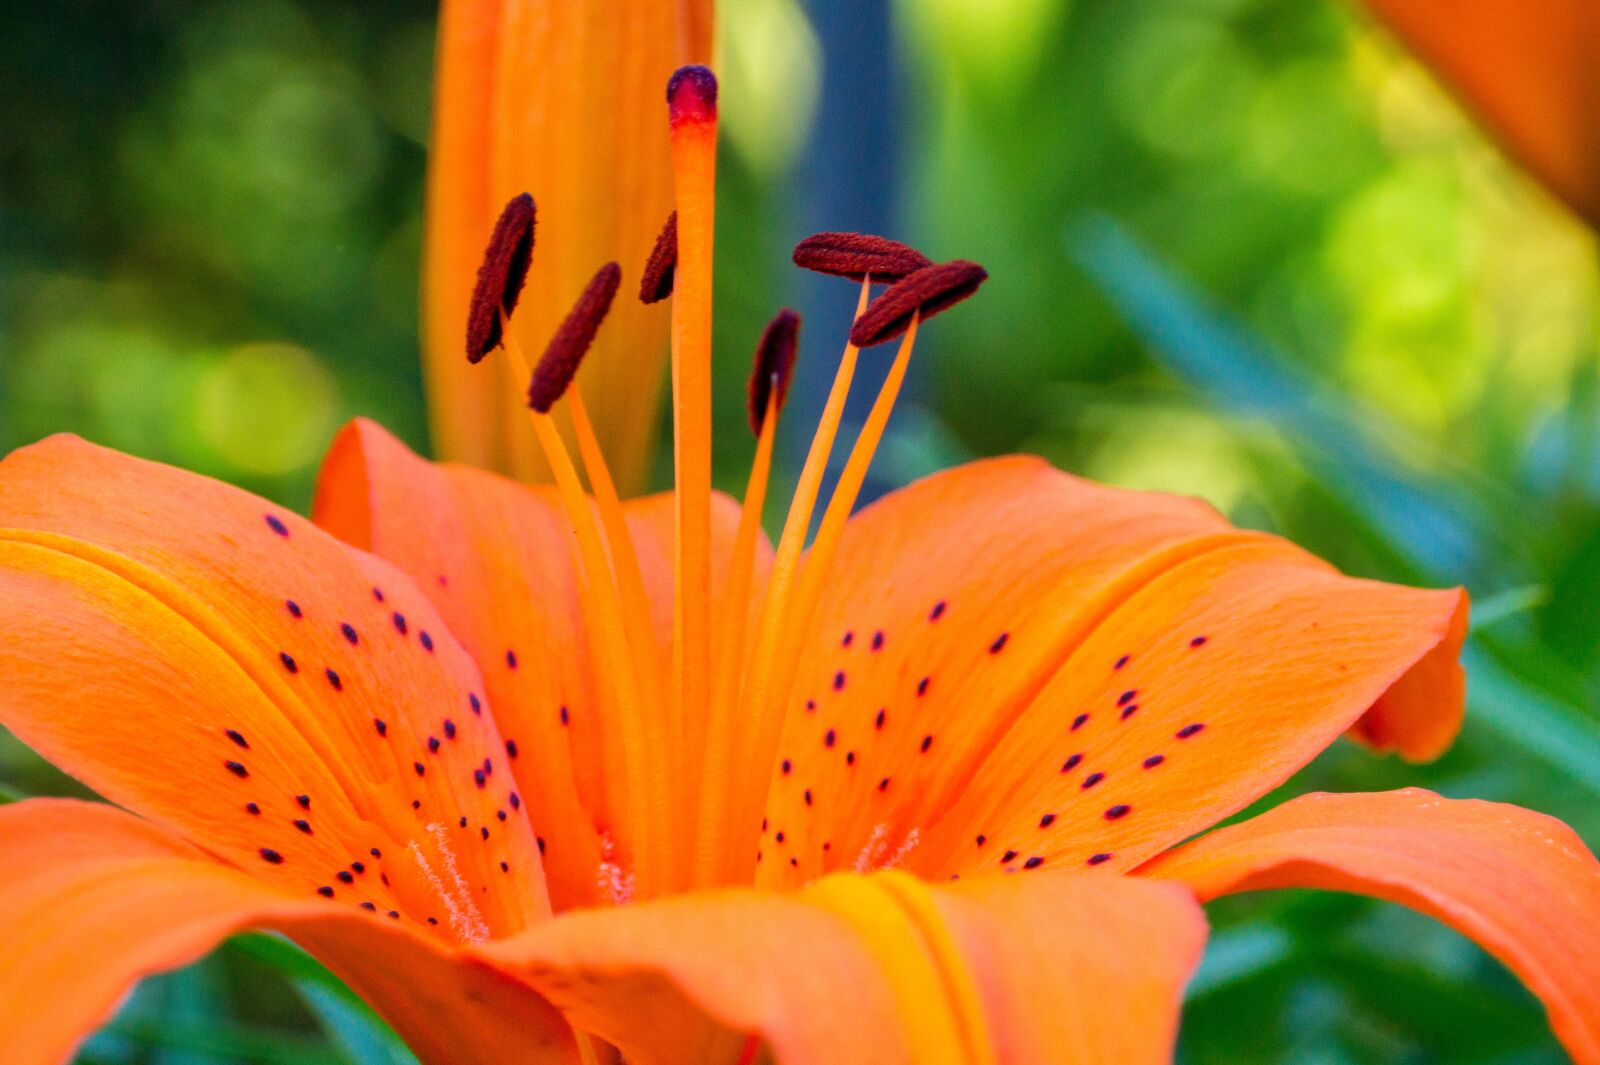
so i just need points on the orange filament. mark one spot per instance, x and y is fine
(637, 740)
(692, 99)
(737, 759)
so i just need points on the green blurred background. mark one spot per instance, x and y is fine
(1243, 249)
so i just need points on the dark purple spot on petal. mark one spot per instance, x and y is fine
(478, 777)
(288, 661)
(927, 741)
(922, 686)
(937, 612)
(1118, 811)
(252, 809)
(511, 748)
(304, 826)
(1091, 780)
(838, 681)
(1189, 730)
(877, 640)
(419, 767)
(427, 641)
(325, 891)
(1127, 697)
(270, 855)
(377, 593)
(449, 729)
(849, 758)
(516, 801)
(565, 716)
(1047, 820)
(829, 738)
(999, 643)
(1096, 859)
(1128, 711)
(399, 620)
(381, 725)
(1077, 722)
(369, 906)
(1008, 856)
(1121, 662)
(982, 839)
(849, 638)
(1033, 863)
(883, 785)
(358, 867)
(333, 679)
(294, 608)
(304, 801)
(237, 737)
(237, 769)
(1154, 760)
(349, 632)
(474, 702)
(1198, 641)
(433, 743)
(877, 722)
(276, 525)
(1071, 763)
(786, 766)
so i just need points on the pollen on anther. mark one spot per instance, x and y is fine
(857, 255)
(773, 367)
(501, 274)
(922, 293)
(571, 341)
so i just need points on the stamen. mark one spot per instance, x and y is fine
(572, 338)
(733, 617)
(774, 365)
(656, 284)
(922, 294)
(855, 255)
(501, 275)
(728, 802)
(692, 104)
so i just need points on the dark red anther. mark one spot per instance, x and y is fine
(856, 255)
(564, 353)
(662, 266)
(500, 277)
(926, 292)
(692, 95)
(774, 365)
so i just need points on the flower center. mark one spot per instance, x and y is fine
(699, 735)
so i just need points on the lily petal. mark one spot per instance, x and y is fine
(1522, 884)
(1528, 70)
(497, 558)
(563, 101)
(1006, 655)
(223, 667)
(878, 970)
(94, 899)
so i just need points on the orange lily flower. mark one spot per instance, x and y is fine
(549, 777)
(563, 98)
(1527, 68)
